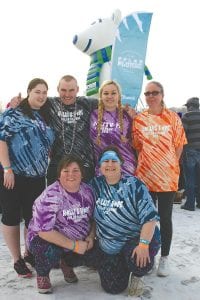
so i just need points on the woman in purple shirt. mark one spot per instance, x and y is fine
(111, 125)
(62, 222)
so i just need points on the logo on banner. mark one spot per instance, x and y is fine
(129, 61)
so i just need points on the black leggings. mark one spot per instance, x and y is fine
(164, 201)
(113, 269)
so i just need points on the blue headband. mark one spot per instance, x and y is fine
(109, 155)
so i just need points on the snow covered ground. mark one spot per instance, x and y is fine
(182, 284)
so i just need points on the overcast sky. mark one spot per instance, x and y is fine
(36, 41)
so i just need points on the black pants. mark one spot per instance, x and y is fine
(164, 201)
(113, 269)
(17, 203)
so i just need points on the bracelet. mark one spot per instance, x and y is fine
(143, 241)
(76, 248)
(8, 170)
(74, 244)
(142, 245)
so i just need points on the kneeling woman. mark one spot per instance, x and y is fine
(127, 235)
(62, 222)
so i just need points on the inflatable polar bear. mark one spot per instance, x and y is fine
(96, 41)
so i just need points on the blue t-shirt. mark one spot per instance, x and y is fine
(29, 142)
(121, 210)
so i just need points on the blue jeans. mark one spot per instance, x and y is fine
(191, 168)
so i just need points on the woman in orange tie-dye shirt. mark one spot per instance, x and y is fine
(159, 138)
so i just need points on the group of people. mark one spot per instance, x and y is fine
(107, 170)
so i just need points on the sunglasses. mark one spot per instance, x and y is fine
(154, 93)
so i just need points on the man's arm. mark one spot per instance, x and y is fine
(15, 101)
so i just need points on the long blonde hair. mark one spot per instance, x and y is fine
(101, 109)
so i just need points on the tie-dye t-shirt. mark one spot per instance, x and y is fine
(110, 135)
(156, 137)
(63, 118)
(29, 142)
(67, 213)
(120, 211)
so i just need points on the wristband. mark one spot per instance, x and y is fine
(8, 170)
(142, 245)
(76, 248)
(74, 244)
(143, 241)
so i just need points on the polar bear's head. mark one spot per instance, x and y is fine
(100, 34)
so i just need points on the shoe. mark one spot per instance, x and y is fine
(22, 269)
(68, 272)
(136, 286)
(187, 208)
(163, 267)
(29, 258)
(44, 285)
(198, 205)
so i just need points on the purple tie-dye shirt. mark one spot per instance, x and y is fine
(67, 213)
(110, 135)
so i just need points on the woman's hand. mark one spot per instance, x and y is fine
(90, 242)
(81, 247)
(130, 110)
(142, 256)
(9, 180)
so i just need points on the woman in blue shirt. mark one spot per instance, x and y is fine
(25, 143)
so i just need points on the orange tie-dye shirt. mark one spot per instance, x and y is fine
(156, 138)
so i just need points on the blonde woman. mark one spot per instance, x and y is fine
(111, 125)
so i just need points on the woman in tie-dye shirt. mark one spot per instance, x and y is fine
(159, 138)
(25, 142)
(62, 222)
(110, 124)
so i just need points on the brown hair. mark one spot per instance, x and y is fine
(67, 160)
(101, 111)
(34, 82)
(25, 106)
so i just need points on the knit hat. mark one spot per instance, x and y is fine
(194, 101)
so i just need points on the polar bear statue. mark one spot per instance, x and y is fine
(96, 41)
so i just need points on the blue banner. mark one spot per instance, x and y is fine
(128, 55)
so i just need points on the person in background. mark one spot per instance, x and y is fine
(25, 143)
(191, 154)
(110, 124)
(127, 238)
(62, 222)
(159, 138)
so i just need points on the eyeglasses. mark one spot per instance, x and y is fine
(154, 93)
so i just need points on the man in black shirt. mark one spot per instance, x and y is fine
(70, 119)
(191, 154)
